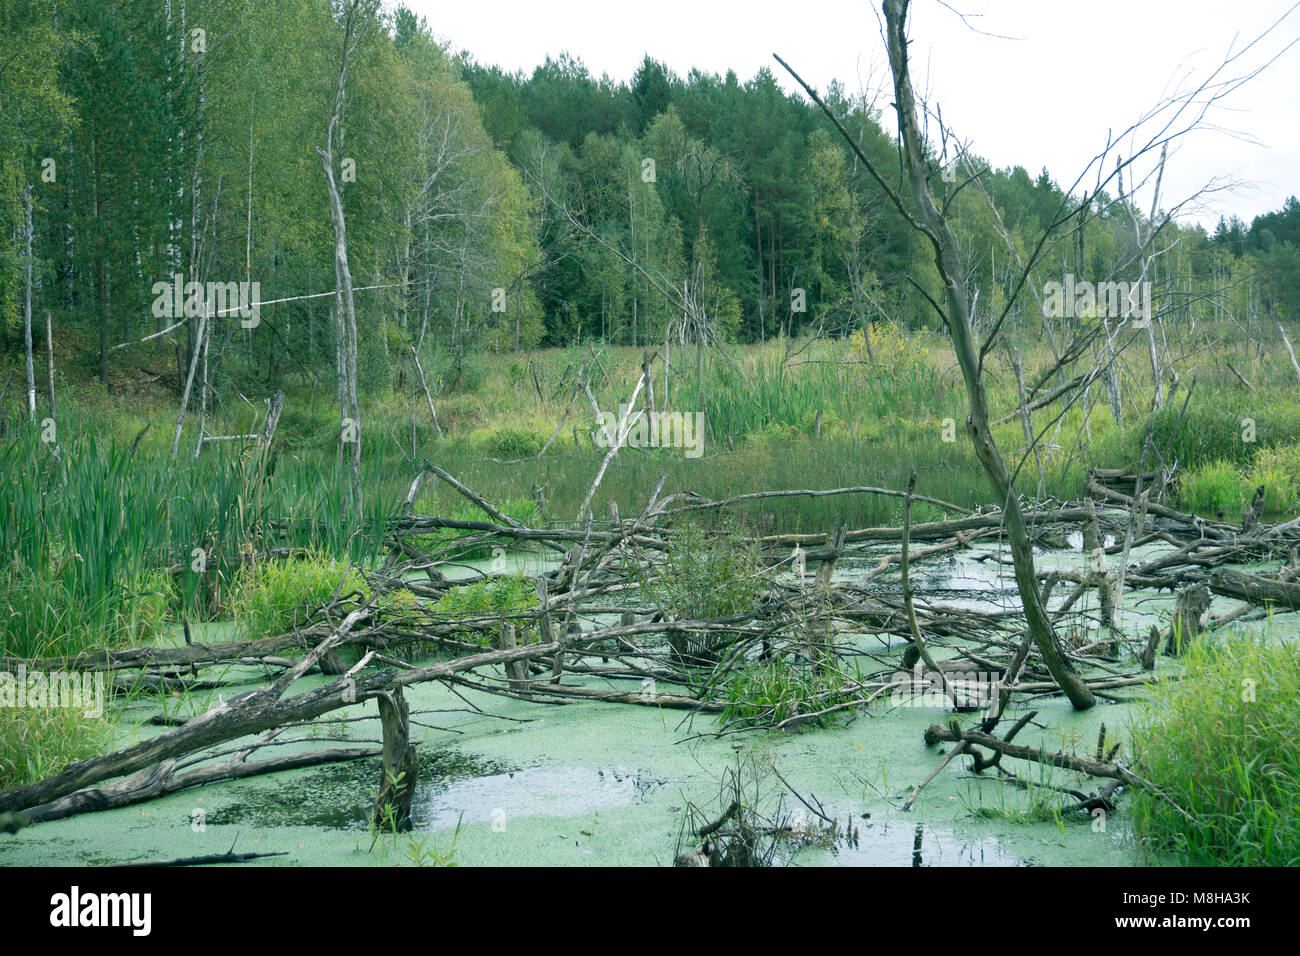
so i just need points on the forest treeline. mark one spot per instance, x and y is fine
(144, 139)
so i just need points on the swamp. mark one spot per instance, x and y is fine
(409, 462)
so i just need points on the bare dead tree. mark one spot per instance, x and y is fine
(933, 224)
(935, 227)
(27, 308)
(345, 315)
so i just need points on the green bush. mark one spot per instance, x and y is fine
(511, 442)
(467, 375)
(1221, 743)
(707, 576)
(704, 576)
(505, 596)
(301, 427)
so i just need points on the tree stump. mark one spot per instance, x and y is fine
(516, 671)
(1148, 656)
(1094, 548)
(1190, 604)
(544, 628)
(401, 763)
(1250, 517)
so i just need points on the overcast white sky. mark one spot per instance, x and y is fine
(1046, 97)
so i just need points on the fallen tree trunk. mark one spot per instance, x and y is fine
(160, 780)
(1215, 528)
(208, 860)
(932, 529)
(171, 657)
(1255, 588)
(1095, 768)
(253, 712)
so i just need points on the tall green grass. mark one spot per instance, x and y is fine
(1221, 743)
(101, 544)
(38, 742)
(856, 399)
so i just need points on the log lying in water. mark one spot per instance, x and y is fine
(930, 529)
(1255, 588)
(973, 738)
(251, 713)
(163, 778)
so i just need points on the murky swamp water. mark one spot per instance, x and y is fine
(609, 784)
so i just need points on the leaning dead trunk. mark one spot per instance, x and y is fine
(936, 228)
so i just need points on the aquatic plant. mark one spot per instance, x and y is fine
(507, 596)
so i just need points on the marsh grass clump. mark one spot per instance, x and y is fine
(46, 613)
(1221, 744)
(278, 597)
(1278, 470)
(1217, 488)
(81, 538)
(513, 441)
(38, 742)
(767, 692)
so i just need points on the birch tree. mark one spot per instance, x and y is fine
(356, 17)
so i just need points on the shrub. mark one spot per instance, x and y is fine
(511, 442)
(503, 596)
(896, 350)
(466, 375)
(1221, 743)
(704, 577)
